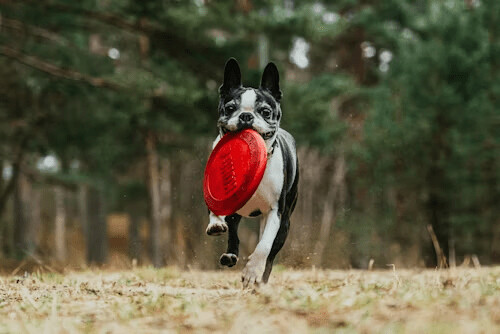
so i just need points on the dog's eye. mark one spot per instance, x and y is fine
(230, 109)
(265, 112)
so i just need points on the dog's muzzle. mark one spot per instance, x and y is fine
(245, 120)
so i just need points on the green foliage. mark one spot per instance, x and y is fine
(309, 110)
(431, 127)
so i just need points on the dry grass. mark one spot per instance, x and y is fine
(146, 300)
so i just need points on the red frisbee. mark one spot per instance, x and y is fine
(234, 171)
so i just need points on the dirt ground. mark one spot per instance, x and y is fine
(147, 300)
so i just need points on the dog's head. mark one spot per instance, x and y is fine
(241, 107)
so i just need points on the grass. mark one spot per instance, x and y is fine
(146, 300)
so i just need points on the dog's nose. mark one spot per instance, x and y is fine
(246, 117)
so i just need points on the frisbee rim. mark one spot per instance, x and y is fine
(257, 160)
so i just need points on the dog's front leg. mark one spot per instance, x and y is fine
(254, 270)
(216, 224)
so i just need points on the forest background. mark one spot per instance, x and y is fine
(108, 109)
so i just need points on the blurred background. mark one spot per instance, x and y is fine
(108, 110)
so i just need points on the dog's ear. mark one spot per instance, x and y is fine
(271, 81)
(232, 76)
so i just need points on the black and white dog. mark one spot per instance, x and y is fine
(240, 108)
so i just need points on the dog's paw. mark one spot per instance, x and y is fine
(254, 270)
(216, 228)
(228, 259)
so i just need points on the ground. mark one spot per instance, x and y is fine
(147, 300)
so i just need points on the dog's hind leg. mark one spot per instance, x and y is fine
(233, 242)
(287, 202)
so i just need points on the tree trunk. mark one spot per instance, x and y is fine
(24, 234)
(438, 219)
(2, 182)
(3, 225)
(36, 214)
(495, 240)
(328, 217)
(10, 186)
(60, 224)
(263, 51)
(134, 247)
(97, 239)
(154, 194)
(83, 210)
(312, 165)
(437, 204)
(166, 205)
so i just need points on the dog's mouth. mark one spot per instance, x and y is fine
(265, 135)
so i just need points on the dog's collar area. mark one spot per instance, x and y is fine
(271, 150)
(268, 135)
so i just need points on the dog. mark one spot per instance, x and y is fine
(274, 200)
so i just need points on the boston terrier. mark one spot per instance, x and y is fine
(274, 200)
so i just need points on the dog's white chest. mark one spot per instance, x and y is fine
(268, 193)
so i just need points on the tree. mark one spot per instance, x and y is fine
(432, 119)
(109, 86)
